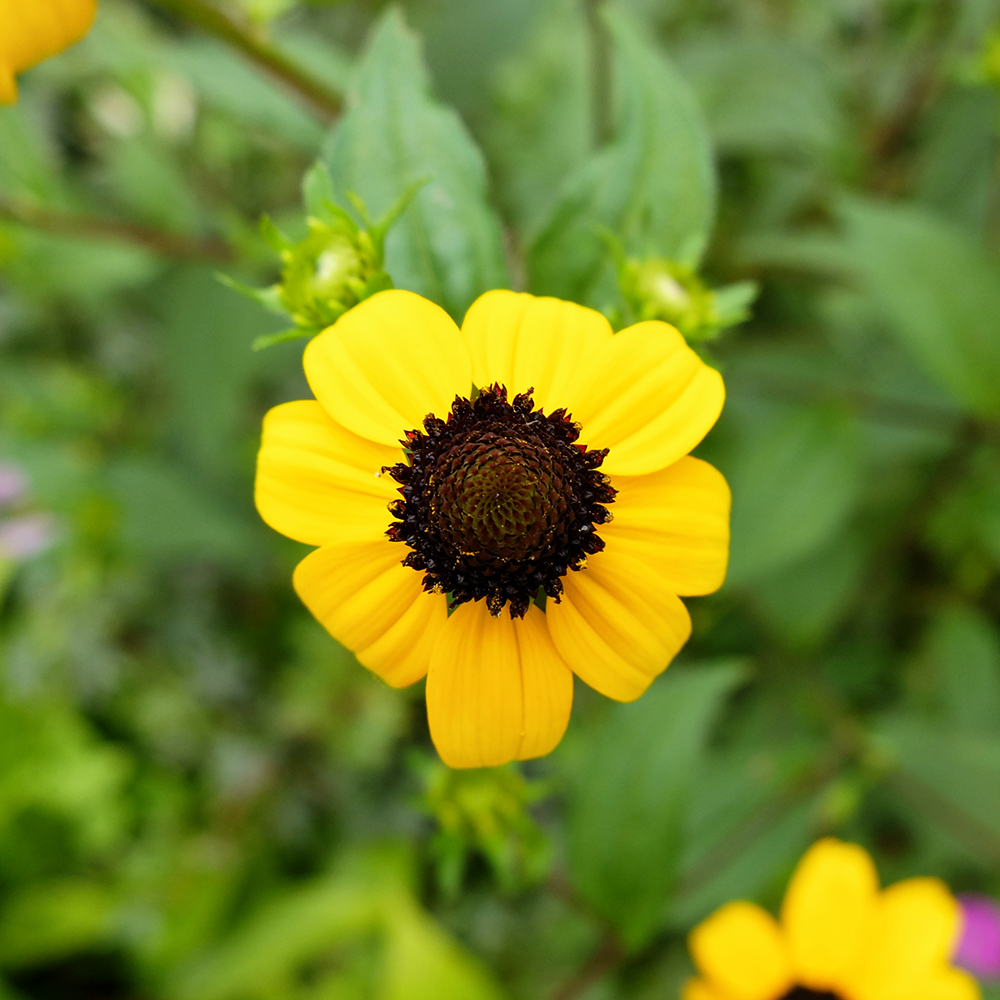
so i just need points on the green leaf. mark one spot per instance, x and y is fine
(805, 600)
(540, 131)
(165, 515)
(939, 293)
(627, 808)
(447, 246)
(47, 921)
(763, 95)
(422, 962)
(283, 336)
(795, 480)
(210, 369)
(317, 190)
(367, 897)
(653, 187)
(952, 778)
(963, 649)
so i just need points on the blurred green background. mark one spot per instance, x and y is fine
(202, 797)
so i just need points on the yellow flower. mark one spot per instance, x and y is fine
(840, 938)
(507, 498)
(33, 30)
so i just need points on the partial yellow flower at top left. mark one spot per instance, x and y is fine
(33, 30)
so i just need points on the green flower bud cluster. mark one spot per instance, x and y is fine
(334, 267)
(483, 812)
(657, 288)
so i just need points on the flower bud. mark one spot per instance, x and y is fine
(667, 290)
(327, 273)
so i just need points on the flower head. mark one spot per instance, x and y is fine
(468, 535)
(33, 30)
(839, 938)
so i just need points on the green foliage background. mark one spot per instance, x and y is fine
(201, 796)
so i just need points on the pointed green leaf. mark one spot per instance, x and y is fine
(627, 810)
(653, 187)
(317, 189)
(447, 246)
(939, 293)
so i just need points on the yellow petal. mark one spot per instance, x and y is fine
(677, 520)
(698, 989)
(388, 363)
(828, 912)
(945, 984)
(617, 626)
(33, 30)
(525, 342)
(317, 482)
(8, 83)
(373, 605)
(915, 927)
(741, 952)
(497, 689)
(651, 399)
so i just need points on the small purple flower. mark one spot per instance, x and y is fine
(13, 483)
(25, 536)
(978, 948)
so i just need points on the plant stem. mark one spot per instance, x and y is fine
(160, 241)
(608, 954)
(600, 74)
(316, 94)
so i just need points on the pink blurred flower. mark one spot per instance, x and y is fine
(13, 483)
(26, 536)
(978, 948)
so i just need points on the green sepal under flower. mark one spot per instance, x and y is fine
(483, 811)
(334, 267)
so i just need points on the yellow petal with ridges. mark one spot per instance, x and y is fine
(676, 520)
(617, 626)
(33, 30)
(525, 342)
(828, 912)
(741, 953)
(497, 689)
(364, 598)
(387, 363)
(650, 399)
(319, 483)
(402, 654)
(914, 930)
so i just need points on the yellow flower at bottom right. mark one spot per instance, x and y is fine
(839, 938)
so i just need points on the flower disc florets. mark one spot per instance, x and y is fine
(499, 502)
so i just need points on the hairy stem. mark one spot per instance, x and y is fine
(608, 954)
(160, 241)
(314, 92)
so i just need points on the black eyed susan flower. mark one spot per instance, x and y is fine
(33, 30)
(500, 541)
(839, 938)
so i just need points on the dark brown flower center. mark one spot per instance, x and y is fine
(499, 502)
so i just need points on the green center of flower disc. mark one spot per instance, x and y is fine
(499, 503)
